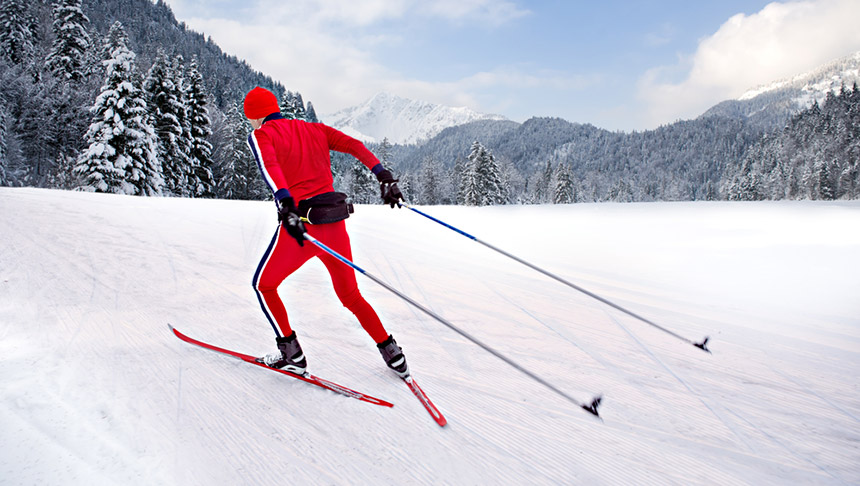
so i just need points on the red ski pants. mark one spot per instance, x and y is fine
(284, 256)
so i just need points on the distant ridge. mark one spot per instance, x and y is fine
(401, 120)
(772, 104)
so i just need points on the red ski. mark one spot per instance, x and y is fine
(422, 397)
(308, 378)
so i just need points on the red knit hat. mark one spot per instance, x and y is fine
(260, 103)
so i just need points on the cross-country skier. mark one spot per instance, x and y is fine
(293, 157)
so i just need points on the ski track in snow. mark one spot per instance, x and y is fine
(96, 390)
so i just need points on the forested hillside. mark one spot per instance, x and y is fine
(117, 96)
(62, 63)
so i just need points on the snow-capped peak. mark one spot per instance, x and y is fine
(401, 120)
(816, 83)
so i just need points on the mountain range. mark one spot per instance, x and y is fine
(401, 120)
(771, 105)
(407, 122)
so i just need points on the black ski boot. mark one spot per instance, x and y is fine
(393, 356)
(289, 356)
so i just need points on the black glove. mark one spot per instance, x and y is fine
(288, 215)
(388, 189)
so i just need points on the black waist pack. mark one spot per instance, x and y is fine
(328, 207)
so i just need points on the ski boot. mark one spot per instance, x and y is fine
(393, 356)
(289, 356)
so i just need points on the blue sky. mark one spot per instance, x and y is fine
(620, 65)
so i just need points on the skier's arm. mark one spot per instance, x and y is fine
(341, 142)
(267, 162)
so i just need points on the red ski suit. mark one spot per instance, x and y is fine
(293, 156)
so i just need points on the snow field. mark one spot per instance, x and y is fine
(97, 390)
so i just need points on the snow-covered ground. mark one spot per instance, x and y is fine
(96, 390)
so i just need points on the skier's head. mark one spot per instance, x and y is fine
(260, 103)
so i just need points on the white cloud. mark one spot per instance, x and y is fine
(326, 49)
(781, 40)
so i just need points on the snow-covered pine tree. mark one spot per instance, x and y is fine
(239, 174)
(121, 153)
(18, 31)
(298, 107)
(542, 185)
(202, 180)
(362, 185)
(184, 116)
(825, 184)
(231, 150)
(71, 41)
(287, 106)
(383, 153)
(293, 107)
(469, 193)
(488, 177)
(564, 191)
(166, 112)
(431, 181)
(312, 114)
(116, 36)
(4, 146)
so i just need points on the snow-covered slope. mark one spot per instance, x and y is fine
(773, 103)
(817, 83)
(96, 390)
(401, 120)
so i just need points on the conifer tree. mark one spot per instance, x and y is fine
(362, 185)
(116, 37)
(18, 29)
(235, 172)
(293, 107)
(4, 146)
(383, 152)
(120, 157)
(68, 55)
(564, 192)
(468, 191)
(431, 182)
(483, 180)
(299, 107)
(183, 114)
(167, 114)
(825, 183)
(203, 184)
(543, 184)
(312, 114)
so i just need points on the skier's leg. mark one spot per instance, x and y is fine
(283, 257)
(334, 235)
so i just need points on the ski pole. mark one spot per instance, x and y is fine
(591, 408)
(702, 345)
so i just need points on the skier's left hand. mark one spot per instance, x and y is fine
(288, 215)
(388, 189)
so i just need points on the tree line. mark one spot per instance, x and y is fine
(91, 103)
(82, 108)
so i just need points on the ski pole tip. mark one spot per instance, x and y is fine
(592, 408)
(703, 345)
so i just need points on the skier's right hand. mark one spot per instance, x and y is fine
(288, 215)
(388, 189)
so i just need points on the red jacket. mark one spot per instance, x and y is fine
(293, 155)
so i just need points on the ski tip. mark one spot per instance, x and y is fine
(592, 408)
(703, 345)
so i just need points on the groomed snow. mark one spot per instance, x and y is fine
(96, 390)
